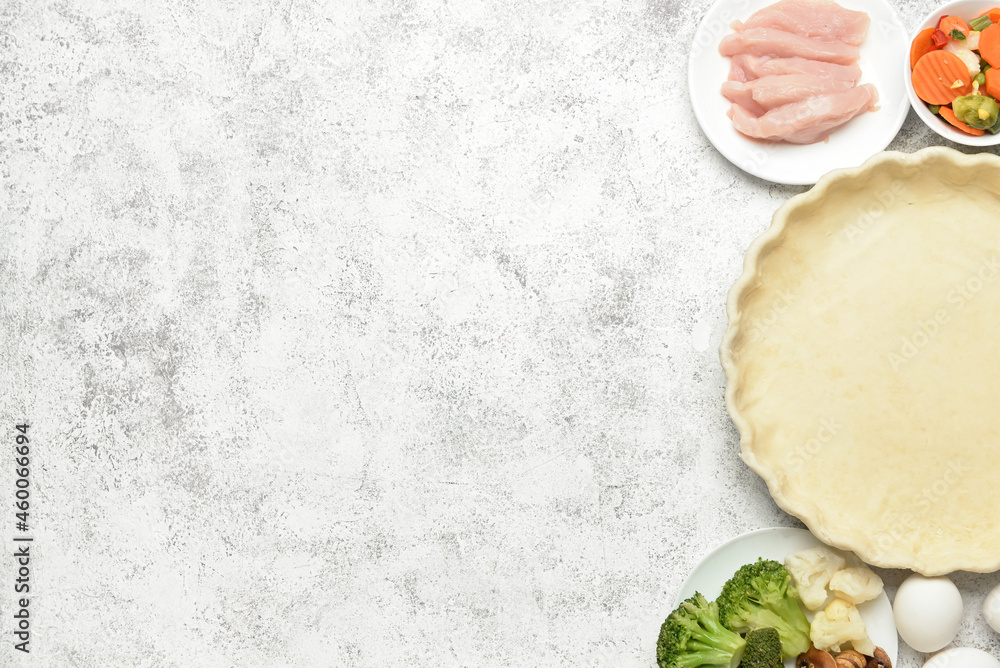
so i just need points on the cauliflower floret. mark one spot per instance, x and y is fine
(838, 624)
(856, 584)
(864, 645)
(966, 54)
(812, 569)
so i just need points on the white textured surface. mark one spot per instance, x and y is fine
(369, 333)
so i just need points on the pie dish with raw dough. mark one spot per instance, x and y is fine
(862, 360)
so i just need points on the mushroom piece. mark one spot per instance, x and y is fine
(815, 658)
(880, 660)
(851, 658)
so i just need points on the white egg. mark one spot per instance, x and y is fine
(962, 657)
(928, 612)
(991, 609)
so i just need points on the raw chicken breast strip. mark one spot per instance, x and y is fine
(781, 44)
(739, 93)
(738, 69)
(778, 90)
(754, 67)
(807, 121)
(820, 19)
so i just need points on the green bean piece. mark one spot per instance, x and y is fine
(981, 23)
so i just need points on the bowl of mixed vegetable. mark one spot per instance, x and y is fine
(953, 72)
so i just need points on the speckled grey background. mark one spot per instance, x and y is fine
(368, 333)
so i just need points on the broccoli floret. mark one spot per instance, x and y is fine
(692, 637)
(763, 649)
(761, 595)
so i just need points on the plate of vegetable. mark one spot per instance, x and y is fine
(773, 595)
(951, 75)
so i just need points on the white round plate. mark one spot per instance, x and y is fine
(882, 56)
(777, 543)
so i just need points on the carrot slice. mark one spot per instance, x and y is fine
(949, 115)
(922, 43)
(939, 77)
(950, 23)
(993, 83)
(994, 15)
(989, 45)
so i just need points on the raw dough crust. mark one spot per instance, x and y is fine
(862, 360)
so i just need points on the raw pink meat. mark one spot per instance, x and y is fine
(778, 90)
(807, 121)
(733, 108)
(794, 70)
(821, 19)
(753, 67)
(738, 69)
(781, 44)
(739, 93)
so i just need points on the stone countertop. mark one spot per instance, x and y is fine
(369, 333)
